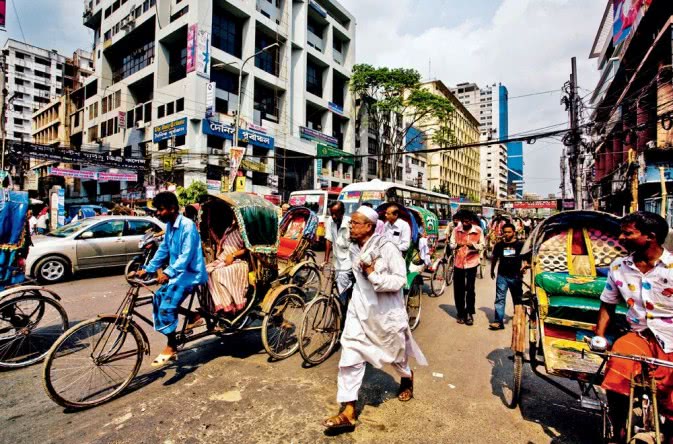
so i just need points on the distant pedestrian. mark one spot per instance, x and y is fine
(43, 221)
(506, 253)
(467, 242)
(32, 222)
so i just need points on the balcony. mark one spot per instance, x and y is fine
(315, 41)
(338, 57)
(268, 10)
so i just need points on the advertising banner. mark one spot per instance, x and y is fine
(203, 53)
(93, 175)
(213, 186)
(61, 207)
(627, 16)
(251, 165)
(65, 155)
(191, 47)
(534, 204)
(170, 130)
(3, 10)
(317, 136)
(227, 132)
(334, 154)
(235, 157)
(210, 99)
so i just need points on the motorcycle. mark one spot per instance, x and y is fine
(148, 245)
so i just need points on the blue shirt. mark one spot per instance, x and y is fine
(182, 247)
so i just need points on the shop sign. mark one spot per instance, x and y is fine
(169, 130)
(317, 136)
(534, 204)
(240, 184)
(210, 99)
(213, 186)
(65, 155)
(122, 119)
(93, 175)
(203, 53)
(251, 165)
(336, 109)
(329, 152)
(255, 138)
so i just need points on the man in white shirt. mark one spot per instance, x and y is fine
(337, 245)
(397, 230)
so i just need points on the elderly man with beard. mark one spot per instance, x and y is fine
(376, 330)
(644, 281)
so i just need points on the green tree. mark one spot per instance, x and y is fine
(192, 194)
(392, 102)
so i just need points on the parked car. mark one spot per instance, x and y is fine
(96, 242)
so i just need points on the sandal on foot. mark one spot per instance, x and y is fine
(338, 422)
(164, 359)
(198, 321)
(406, 391)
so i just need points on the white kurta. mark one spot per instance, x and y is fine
(377, 327)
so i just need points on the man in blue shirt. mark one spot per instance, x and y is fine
(181, 248)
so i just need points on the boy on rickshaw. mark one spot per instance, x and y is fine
(644, 280)
(181, 249)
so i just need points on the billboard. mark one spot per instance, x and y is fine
(3, 9)
(169, 130)
(191, 48)
(627, 16)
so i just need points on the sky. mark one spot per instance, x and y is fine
(524, 44)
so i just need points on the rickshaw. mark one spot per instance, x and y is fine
(417, 218)
(296, 260)
(31, 317)
(106, 352)
(571, 253)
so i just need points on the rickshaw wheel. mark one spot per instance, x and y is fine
(516, 382)
(320, 330)
(281, 324)
(307, 276)
(413, 300)
(438, 281)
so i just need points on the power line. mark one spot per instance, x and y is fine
(18, 20)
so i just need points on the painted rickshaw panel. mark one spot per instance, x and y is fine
(13, 208)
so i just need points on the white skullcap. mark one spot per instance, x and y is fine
(369, 213)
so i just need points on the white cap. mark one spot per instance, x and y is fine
(369, 213)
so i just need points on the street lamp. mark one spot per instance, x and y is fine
(240, 93)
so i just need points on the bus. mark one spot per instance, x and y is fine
(377, 192)
(318, 202)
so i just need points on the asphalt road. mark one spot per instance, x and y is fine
(227, 390)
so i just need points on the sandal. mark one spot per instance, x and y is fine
(163, 360)
(406, 391)
(338, 422)
(198, 321)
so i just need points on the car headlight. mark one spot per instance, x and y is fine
(140, 244)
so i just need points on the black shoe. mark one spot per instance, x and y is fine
(460, 320)
(469, 320)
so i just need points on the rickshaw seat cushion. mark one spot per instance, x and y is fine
(564, 284)
(286, 247)
(557, 304)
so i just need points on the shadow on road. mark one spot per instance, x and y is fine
(559, 415)
(450, 310)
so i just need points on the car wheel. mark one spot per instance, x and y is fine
(52, 269)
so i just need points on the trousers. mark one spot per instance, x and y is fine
(350, 379)
(463, 290)
(502, 284)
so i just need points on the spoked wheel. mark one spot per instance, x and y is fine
(414, 303)
(308, 278)
(438, 281)
(92, 362)
(320, 330)
(132, 266)
(512, 391)
(449, 271)
(280, 327)
(482, 265)
(29, 326)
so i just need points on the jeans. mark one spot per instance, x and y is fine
(502, 284)
(463, 290)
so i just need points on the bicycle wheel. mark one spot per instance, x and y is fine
(414, 303)
(320, 329)
(308, 278)
(281, 324)
(438, 279)
(449, 271)
(92, 363)
(512, 392)
(29, 325)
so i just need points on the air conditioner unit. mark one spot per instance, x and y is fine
(140, 124)
(217, 152)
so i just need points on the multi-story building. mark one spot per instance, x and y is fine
(152, 94)
(490, 106)
(515, 170)
(633, 108)
(455, 172)
(34, 76)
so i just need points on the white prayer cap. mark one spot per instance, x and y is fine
(369, 213)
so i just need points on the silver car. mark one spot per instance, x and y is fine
(97, 242)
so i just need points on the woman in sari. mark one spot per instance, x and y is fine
(228, 273)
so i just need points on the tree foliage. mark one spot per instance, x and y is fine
(192, 194)
(392, 102)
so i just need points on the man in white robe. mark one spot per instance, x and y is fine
(377, 326)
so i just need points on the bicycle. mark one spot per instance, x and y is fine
(323, 321)
(442, 275)
(31, 320)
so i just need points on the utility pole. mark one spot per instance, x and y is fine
(563, 175)
(576, 157)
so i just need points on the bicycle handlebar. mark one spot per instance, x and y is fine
(636, 358)
(143, 282)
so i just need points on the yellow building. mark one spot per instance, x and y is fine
(51, 123)
(454, 172)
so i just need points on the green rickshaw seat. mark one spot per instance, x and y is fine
(578, 308)
(564, 284)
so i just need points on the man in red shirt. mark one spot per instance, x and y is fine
(467, 242)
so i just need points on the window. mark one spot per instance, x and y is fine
(160, 112)
(134, 60)
(42, 61)
(93, 133)
(371, 146)
(104, 105)
(139, 227)
(313, 79)
(44, 75)
(371, 167)
(266, 100)
(19, 55)
(18, 122)
(118, 99)
(18, 68)
(113, 228)
(221, 106)
(170, 108)
(180, 140)
(267, 60)
(227, 33)
(179, 105)
(18, 82)
(178, 64)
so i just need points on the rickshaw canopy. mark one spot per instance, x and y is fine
(310, 218)
(429, 219)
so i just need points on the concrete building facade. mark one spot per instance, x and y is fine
(151, 95)
(489, 106)
(455, 172)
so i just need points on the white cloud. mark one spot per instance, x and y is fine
(525, 44)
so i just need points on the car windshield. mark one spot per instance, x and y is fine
(69, 229)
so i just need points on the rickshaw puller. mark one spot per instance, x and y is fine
(644, 280)
(467, 242)
(338, 241)
(181, 248)
(377, 326)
